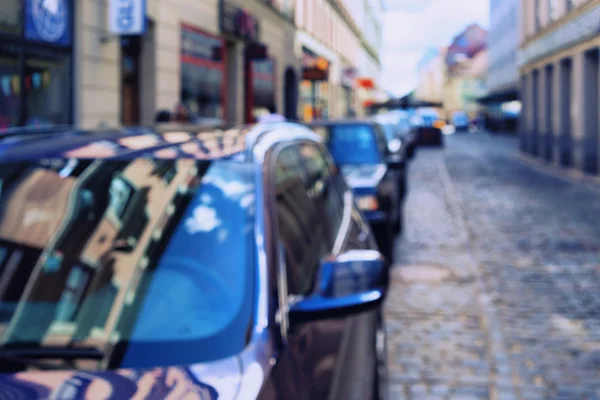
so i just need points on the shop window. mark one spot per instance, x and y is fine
(263, 87)
(46, 80)
(10, 13)
(202, 70)
(10, 86)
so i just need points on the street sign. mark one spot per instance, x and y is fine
(127, 17)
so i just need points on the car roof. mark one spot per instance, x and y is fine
(164, 141)
(348, 121)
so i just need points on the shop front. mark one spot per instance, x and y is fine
(203, 83)
(36, 79)
(314, 87)
(245, 50)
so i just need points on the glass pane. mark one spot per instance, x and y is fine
(10, 21)
(9, 90)
(47, 90)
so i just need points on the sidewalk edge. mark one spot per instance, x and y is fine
(566, 173)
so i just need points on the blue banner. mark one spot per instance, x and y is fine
(49, 21)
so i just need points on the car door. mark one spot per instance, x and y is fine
(309, 216)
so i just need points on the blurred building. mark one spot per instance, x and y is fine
(466, 68)
(340, 43)
(92, 62)
(431, 75)
(559, 82)
(502, 102)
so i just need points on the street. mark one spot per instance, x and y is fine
(496, 288)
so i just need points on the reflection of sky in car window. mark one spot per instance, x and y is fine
(200, 281)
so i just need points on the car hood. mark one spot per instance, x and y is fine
(207, 381)
(363, 175)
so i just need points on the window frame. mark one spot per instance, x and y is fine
(280, 263)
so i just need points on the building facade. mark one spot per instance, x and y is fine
(560, 69)
(431, 75)
(466, 69)
(62, 62)
(339, 42)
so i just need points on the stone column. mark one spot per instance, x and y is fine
(557, 115)
(577, 109)
(524, 117)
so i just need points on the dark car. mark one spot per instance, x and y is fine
(185, 264)
(428, 129)
(401, 138)
(376, 176)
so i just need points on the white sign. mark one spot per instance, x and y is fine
(127, 17)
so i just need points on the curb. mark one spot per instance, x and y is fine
(568, 174)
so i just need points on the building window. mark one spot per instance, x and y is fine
(262, 84)
(202, 73)
(39, 93)
(120, 196)
(554, 9)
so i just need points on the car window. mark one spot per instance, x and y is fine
(326, 186)
(90, 255)
(299, 222)
(354, 144)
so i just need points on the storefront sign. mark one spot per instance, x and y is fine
(199, 45)
(238, 22)
(49, 21)
(571, 33)
(127, 17)
(314, 68)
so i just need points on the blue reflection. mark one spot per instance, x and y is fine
(353, 144)
(200, 290)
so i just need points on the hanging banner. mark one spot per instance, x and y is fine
(127, 17)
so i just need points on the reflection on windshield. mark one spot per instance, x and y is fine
(98, 252)
(353, 144)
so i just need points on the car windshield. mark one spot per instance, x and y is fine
(353, 144)
(148, 260)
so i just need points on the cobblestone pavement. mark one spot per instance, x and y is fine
(496, 289)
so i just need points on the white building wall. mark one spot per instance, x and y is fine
(98, 58)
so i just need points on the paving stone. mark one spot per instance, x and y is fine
(498, 287)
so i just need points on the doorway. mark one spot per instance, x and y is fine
(566, 91)
(589, 145)
(290, 94)
(130, 80)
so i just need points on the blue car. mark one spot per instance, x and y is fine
(376, 174)
(185, 262)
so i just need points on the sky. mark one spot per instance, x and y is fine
(412, 26)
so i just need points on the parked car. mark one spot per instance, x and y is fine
(376, 176)
(398, 133)
(460, 120)
(185, 263)
(428, 126)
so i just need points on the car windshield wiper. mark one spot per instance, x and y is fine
(28, 356)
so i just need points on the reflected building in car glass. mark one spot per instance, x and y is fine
(83, 248)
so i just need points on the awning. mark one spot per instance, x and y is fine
(500, 97)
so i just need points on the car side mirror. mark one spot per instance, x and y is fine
(348, 284)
